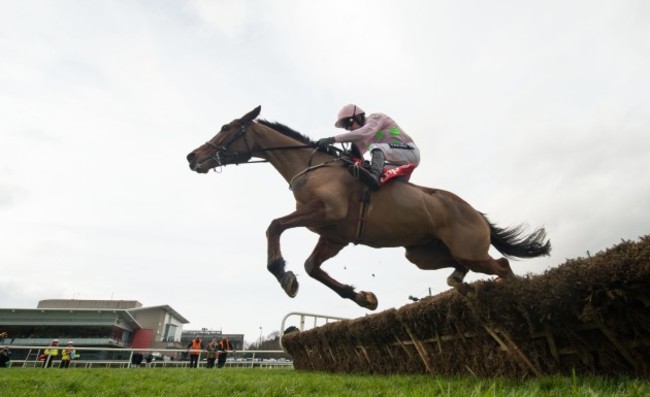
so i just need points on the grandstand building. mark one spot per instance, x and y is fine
(93, 323)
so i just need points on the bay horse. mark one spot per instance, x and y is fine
(437, 228)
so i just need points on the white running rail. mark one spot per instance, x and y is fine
(303, 316)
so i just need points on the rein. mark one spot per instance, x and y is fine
(223, 156)
(312, 167)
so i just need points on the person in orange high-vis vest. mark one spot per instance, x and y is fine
(195, 352)
(224, 348)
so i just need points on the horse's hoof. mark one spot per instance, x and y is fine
(456, 278)
(453, 281)
(506, 272)
(468, 291)
(290, 284)
(367, 300)
(506, 277)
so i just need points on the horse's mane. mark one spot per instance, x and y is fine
(284, 130)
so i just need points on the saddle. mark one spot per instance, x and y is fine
(359, 169)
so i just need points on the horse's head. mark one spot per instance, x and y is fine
(229, 146)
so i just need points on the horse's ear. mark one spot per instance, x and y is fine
(252, 115)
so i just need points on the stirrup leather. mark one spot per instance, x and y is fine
(363, 174)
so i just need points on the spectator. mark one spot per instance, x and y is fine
(149, 359)
(136, 359)
(51, 353)
(224, 348)
(213, 352)
(67, 354)
(195, 347)
(5, 357)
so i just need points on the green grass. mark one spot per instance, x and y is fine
(98, 382)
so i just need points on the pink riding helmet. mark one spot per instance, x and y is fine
(346, 112)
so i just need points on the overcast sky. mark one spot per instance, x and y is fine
(533, 112)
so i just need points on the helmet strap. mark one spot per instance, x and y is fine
(359, 118)
(354, 112)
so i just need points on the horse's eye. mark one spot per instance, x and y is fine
(224, 127)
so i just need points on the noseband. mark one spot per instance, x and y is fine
(223, 156)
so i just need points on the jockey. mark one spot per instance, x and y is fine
(378, 134)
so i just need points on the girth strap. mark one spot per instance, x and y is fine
(363, 209)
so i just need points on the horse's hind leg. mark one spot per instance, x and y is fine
(437, 256)
(323, 251)
(499, 267)
(469, 243)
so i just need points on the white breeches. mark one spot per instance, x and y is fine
(398, 156)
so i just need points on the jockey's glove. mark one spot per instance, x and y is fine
(325, 142)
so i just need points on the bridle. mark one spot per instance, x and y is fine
(224, 156)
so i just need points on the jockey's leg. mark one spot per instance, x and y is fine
(377, 164)
(372, 175)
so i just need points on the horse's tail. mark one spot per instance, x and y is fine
(513, 242)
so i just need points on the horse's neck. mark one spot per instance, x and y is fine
(287, 162)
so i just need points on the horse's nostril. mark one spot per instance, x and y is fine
(190, 157)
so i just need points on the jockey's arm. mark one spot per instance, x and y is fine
(374, 123)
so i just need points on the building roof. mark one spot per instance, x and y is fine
(166, 308)
(88, 304)
(69, 316)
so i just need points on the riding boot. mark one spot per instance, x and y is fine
(373, 174)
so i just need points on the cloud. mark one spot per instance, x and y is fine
(230, 17)
(11, 195)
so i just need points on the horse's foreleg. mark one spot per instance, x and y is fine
(323, 251)
(312, 214)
